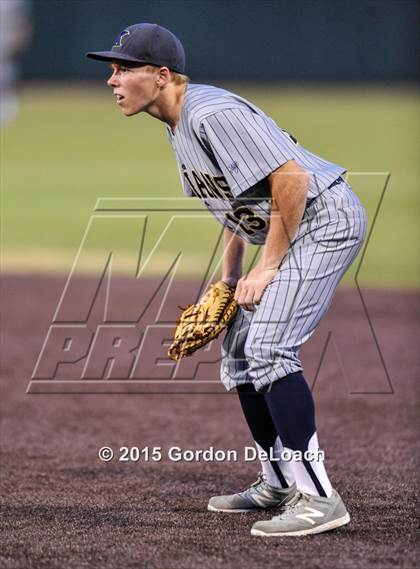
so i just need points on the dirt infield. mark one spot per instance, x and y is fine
(64, 508)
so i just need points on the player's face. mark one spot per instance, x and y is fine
(134, 88)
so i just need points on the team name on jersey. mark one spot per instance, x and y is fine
(204, 185)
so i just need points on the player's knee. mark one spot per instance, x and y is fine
(258, 355)
(269, 361)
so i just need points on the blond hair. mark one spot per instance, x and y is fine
(177, 78)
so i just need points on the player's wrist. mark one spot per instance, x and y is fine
(230, 281)
(268, 266)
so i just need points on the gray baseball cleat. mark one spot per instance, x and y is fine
(259, 496)
(304, 515)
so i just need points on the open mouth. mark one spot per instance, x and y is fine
(119, 98)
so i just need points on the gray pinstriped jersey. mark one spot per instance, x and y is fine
(226, 147)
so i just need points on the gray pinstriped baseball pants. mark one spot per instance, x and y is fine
(263, 346)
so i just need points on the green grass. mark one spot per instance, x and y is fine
(70, 146)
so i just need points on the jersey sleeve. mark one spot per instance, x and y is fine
(247, 146)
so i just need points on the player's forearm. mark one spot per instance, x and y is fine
(233, 256)
(289, 192)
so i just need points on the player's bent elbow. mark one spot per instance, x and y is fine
(304, 180)
(294, 188)
(300, 180)
(292, 175)
(305, 177)
(300, 183)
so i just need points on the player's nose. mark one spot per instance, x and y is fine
(112, 81)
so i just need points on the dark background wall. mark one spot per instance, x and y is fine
(237, 39)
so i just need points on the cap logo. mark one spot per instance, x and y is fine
(120, 37)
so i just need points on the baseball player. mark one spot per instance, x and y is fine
(266, 189)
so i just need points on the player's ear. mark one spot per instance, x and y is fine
(163, 77)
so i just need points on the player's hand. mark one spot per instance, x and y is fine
(251, 286)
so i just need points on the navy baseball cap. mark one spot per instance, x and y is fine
(145, 44)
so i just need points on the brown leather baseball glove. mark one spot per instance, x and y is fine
(200, 323)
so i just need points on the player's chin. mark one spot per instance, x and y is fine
(129, 110)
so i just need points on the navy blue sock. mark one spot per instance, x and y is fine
(293, 411)
(257, 415)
